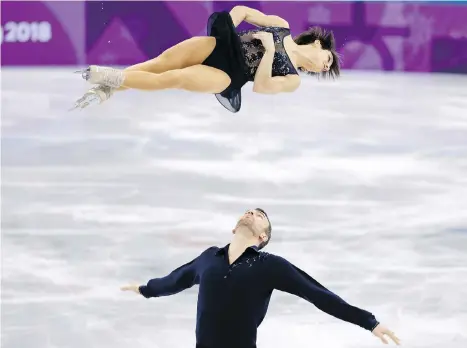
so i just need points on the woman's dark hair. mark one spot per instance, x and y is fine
(327, 43)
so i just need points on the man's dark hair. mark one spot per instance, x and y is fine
(327, 43)
(268, 229)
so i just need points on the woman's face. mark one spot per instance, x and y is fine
(319, 60)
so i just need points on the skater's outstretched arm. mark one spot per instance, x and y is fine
(289, 278)
(293, 280)
(255, 17)
(182, 278)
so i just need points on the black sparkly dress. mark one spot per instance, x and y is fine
(238, 54)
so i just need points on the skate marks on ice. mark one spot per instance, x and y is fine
(365, 186)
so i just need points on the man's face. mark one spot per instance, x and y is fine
(255, 220)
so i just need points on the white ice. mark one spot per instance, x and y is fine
(364, 179)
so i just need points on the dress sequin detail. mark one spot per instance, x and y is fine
(253, 52)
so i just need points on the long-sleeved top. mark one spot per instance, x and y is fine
(233, 298)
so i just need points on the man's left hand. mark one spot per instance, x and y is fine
(381, 331)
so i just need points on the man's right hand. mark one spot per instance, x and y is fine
(132, 287)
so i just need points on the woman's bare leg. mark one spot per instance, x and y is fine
(184, 54)
(196, 78)
(154, 73)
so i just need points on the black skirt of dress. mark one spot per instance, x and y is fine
(227, 56)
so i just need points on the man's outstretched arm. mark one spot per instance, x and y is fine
(291, 279)
(182, 278)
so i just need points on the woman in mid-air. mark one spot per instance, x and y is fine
(225, 60)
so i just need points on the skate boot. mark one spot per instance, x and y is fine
(96, 95)
(102, 75)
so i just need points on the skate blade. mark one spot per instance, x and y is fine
(89, 99)
(79, 104)
(85, 73)
(76, 106)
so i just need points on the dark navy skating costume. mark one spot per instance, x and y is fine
(238, 54)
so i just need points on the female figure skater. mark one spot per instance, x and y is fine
(225, 60)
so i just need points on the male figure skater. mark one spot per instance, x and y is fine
(236, 283)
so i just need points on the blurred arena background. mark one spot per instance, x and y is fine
(364, 179)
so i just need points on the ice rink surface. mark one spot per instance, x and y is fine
(364, 179)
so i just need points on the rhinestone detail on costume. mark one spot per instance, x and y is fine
(253, 52)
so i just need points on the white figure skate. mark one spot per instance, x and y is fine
(102, 75)
(96, 95)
